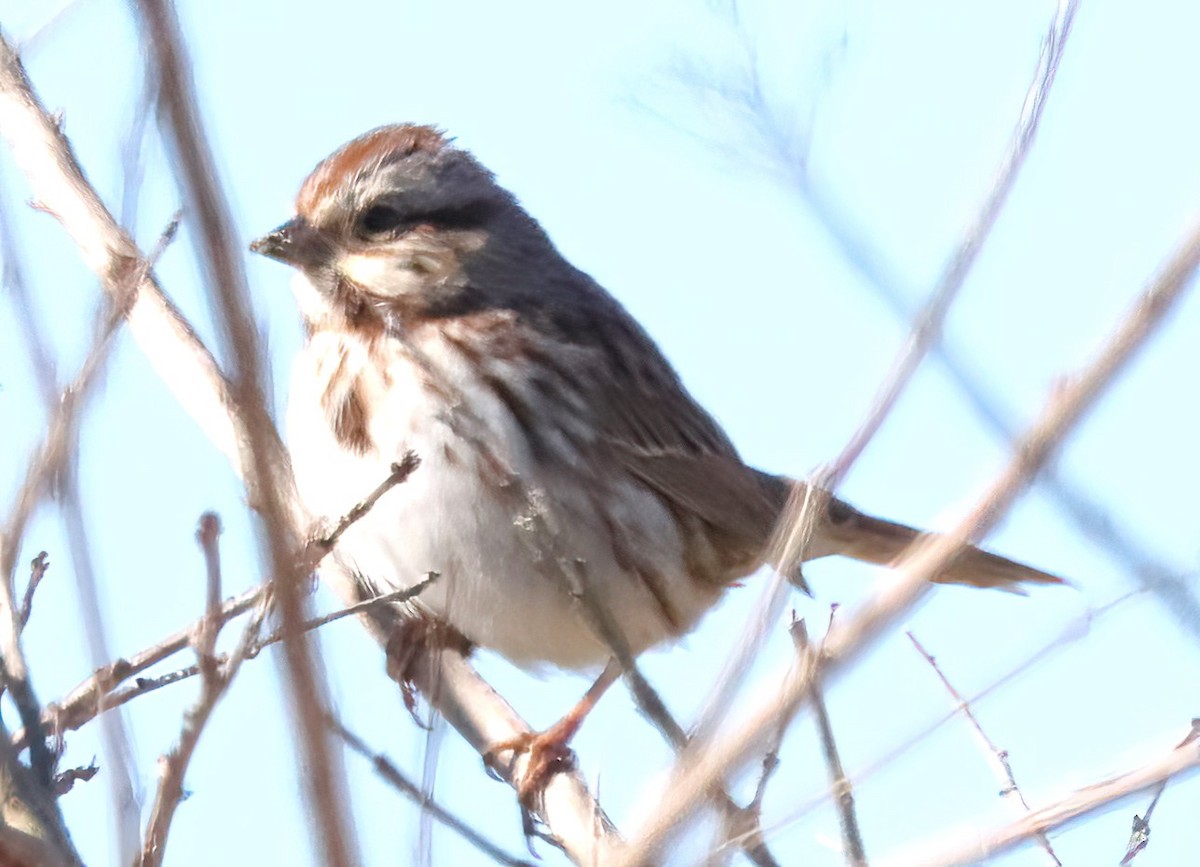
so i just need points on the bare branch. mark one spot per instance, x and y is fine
(843, 791)
(1139, 835)
(94, 695)
(709, 761)
(269, 481)
(37, 571)
(1073, 631)
(401, 470)
(927, 327)
(998, 757)
(168, 341)
(208, 535)
(392, 598)
(98, 693)
(215, 681)
(807, 503)
(144, 685)
(396, 778)
(1090, 518)
(976, 846)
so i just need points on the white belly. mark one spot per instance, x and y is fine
(499, 583)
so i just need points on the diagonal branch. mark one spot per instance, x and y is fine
(1182, 759)
(796, 526)
(843, 792)
(711, 760)
(269, 479)
(401, 783)
(927, 326)
(998, 758)
(215, 681)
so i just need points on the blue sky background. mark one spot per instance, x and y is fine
(670, 200)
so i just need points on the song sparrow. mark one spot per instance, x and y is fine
(560, 454)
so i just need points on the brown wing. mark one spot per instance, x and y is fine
(664, 439)
(659, 435)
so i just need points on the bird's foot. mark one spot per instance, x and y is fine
(547, 754)
(411, 639)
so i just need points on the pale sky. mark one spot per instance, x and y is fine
(594, 116)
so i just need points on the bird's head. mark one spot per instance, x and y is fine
(394, 223)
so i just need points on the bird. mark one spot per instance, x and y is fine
(576, 502)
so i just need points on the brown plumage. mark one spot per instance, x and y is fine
(551, 428)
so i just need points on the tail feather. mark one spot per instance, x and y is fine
(854, 534)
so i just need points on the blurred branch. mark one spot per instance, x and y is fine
(1092, 520)
(1072, 632)
(112, 697)
(96, 694)
(46, 29)
(1139, 835)
(708, 761)
(53, 471)
(998, 758)
(928, 324)
(215, 680)
(980, 845)
(269, 480)
(401, 783)
(843, 792)
(37, 571)
(807, 503)
(571, 574)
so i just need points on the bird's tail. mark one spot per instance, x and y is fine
(846, 531)
(854, 534)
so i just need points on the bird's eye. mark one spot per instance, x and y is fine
(379, 219)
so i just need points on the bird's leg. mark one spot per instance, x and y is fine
(548, 750)
(411, 637)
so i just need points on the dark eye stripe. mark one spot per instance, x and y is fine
(380, 218)
(385, 219)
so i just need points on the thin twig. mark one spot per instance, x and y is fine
(392, 598)
(1080, 506)
(1139, 836)
(60, 188)
(571, 574)
(397, 779)
(807, 503)
(98, 693)
(173, 350)
(113, 697)
(710, 761)
(52, 469)
(269, 481)
(927, 326)
(37, 571)
(46, 29)
(215, 680)
(119, 759)
(1072, 632)
(208, 535)
(95, 694)
(843, 790)
(1181, 760)
(998, 758)
(399, 474)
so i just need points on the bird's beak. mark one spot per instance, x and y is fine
(297, 242)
